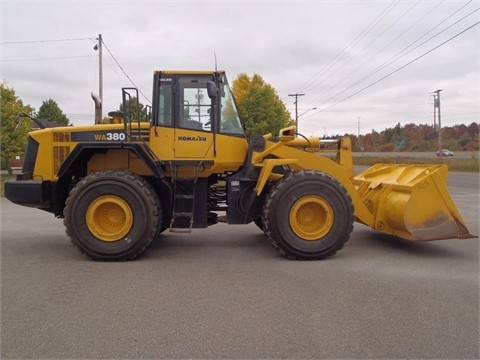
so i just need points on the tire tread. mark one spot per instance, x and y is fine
(142, 187)
(276, 189)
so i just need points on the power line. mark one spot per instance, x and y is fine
(389, 43)
(398, 56)
(112, 67)
(41, 41)
(128, 77)
(354, 42)
(68, 57)
(50, 58)
(400, 68)
(366, 46)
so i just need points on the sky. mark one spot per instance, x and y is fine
(359, 65)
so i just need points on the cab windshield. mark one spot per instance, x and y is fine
(230, 121)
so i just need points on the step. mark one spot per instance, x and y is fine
(184, 196)
(182, 214)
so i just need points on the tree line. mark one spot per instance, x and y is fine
(418, 137)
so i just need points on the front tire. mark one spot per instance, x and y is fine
(112, 215)
(308, 215)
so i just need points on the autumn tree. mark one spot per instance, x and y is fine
(49, 110)
(259, 105)
(14, 129)
(241, 85)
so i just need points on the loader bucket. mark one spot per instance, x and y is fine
(411, 201)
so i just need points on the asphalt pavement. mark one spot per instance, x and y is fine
(225, 292)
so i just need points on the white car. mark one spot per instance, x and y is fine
(445, 152)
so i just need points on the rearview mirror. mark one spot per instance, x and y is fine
(212, 90)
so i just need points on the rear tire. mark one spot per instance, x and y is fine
(308, 215)
(112, 215)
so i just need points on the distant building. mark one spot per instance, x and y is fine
(15, 165)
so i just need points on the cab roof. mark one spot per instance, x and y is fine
(188, 72)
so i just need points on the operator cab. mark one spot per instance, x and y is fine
(188, 101)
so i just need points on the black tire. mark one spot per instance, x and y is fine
(112, 215)
(308, 215)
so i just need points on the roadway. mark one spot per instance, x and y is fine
(224, 292)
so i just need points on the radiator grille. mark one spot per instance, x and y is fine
(60, 153)
(61, 137)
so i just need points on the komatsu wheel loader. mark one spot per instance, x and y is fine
(119, 185)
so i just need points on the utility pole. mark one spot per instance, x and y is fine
(296, 108)
(436, 105)
(98, 47)
(100, 68)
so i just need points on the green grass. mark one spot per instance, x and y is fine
(454, 164)
(4, 178)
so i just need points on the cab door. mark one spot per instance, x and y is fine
(194, 135)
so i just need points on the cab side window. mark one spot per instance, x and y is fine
(165, 105)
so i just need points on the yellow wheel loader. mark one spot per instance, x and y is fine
(118, 185)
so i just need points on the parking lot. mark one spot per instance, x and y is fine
(225, 292)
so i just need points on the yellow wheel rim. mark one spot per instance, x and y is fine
(109, 218)
(311, 217)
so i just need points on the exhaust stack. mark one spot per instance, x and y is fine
(98, 108)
